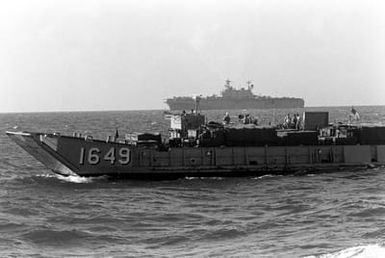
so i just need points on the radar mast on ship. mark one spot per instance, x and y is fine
(250, 85)
(227, 85)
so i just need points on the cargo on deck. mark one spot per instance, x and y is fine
(195, 147)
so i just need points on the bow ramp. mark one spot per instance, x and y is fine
(43, 147)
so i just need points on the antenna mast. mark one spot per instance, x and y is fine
(250, 86)
(197, 100)
(227, 85)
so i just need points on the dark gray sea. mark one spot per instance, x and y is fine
(338, 214)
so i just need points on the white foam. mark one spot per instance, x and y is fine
(49, 175)
(265, 176)
(75, 179)
(365, 251)
(203, 178)
(79, 179)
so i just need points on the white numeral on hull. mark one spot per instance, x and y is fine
(93, 156)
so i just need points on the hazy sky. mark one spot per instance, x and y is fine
(122, 55)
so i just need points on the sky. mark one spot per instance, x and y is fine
(85, 55)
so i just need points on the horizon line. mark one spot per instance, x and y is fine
(133, 110)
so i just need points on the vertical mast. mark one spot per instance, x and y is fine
(250, 86)
(197, 100)
(227, 85)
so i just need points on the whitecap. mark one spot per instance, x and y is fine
(79, 179)
(264, 176)
(75, 179)
(203, 178)
(71, 179)
(365, 251)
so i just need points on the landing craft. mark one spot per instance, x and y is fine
(195, 148)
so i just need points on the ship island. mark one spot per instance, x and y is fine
(233, 98)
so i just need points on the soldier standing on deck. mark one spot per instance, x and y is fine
(354, 116)
(226, 119)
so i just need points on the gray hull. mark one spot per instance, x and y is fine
(229, 104)
(68, 155)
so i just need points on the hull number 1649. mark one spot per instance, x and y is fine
(93, 156)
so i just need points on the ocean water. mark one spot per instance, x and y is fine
(338, 214)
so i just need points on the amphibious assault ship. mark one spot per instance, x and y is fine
(232, 98)
(196, 148)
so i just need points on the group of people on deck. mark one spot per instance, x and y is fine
(292, 122)
(243, 118)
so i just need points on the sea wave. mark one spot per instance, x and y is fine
(330, 215)
(266, 176)
(362, 251)
(56, 237)
(203, 178)
(73, 178)
(79, 179)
